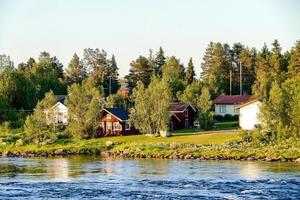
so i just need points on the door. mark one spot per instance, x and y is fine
(186, 123)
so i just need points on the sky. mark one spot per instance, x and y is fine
(129, 28)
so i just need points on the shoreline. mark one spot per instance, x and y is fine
(174, 154)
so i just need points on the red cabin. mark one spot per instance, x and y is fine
(115, 122)
(183, 115)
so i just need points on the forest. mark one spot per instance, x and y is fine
(92, 80)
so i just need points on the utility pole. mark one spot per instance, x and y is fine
(110, 85)
(241, 83)
(230, 82)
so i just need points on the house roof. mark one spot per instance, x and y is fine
(179, 107)
(231, 99)
(61, 98)
(119, 113)
(248, 103)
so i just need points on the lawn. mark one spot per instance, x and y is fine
(183, 136)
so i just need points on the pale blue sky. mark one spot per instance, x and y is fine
(129, 28)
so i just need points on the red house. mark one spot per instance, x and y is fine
(183, 115)
(115, 122)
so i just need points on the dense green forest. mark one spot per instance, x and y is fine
(154, 80)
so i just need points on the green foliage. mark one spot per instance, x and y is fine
(294, 63)
(173, 68)
(140, 70)
(204, 104)
(76, 71)
(84, 104)
(150, 113)
(159, 61)
(191, 93)
(103, 70)
(118, 101)
(190, 73)
(38, 127)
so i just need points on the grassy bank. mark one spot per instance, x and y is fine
(184, 144)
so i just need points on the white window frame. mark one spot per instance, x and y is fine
(108, 116)
(222, 108)
(127, 126)
(117, 126)
(186, 113)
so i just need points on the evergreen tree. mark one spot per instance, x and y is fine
(159, 61)
(113, 75)
(215, 69)
(294, 64)
(76, 71)
(140, 70)
(190, 73)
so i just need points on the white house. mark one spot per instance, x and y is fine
(228, 104)
(59, 111)
(249, 111)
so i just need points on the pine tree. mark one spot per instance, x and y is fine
(294, 63)
(190, 73)
(140, 70)
(76, 72)
(159, 61)
(113, 74)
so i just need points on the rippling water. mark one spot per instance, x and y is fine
(98, 178)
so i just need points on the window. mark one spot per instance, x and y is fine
(127, 126)
(186, 112)
(222, 109)
(108, 116)
(117, 126)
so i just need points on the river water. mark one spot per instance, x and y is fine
(84, 177)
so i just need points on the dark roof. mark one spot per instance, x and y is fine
(120, 113)
(60, 98)
(231, 99)
(176, 106)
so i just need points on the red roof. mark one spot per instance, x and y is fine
(231, 99)
(176, 106)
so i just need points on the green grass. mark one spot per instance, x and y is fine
(228, 125)
(183, 137)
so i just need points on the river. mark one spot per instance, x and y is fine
(85, 177)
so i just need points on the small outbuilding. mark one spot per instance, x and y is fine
(182, 115)
(249, 111)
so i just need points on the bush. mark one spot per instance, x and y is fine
(226, 117)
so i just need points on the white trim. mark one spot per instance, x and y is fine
(113, 115)
(189, 104)
(57, 104)
(176, 117)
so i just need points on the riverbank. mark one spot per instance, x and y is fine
(209, 146)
